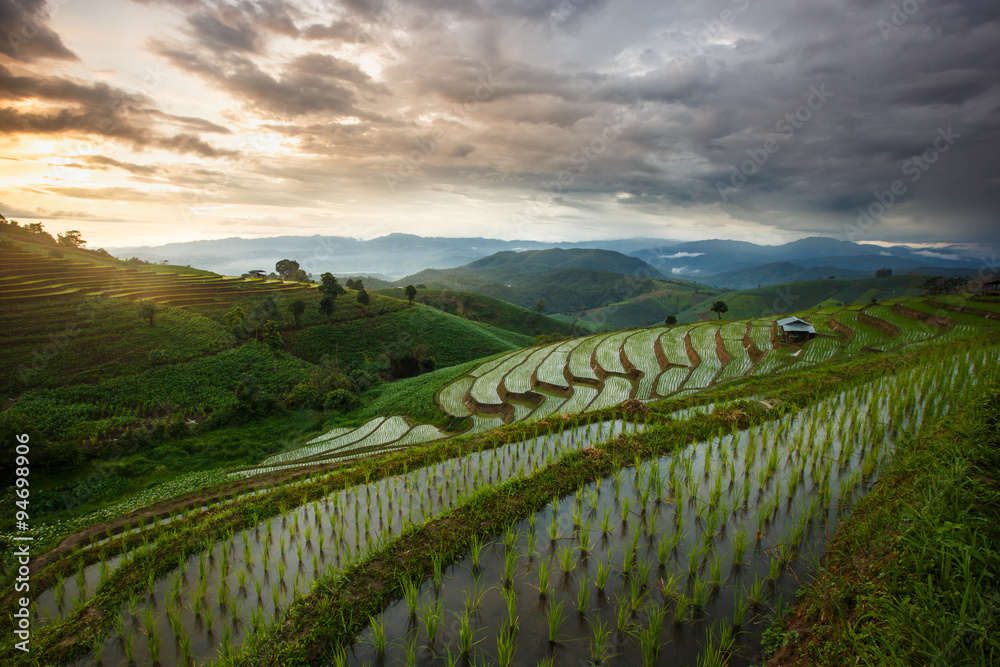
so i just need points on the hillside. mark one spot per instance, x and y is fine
(804, 295)
(488, 310)
(670, 298)
(568, 280)
(778, 273)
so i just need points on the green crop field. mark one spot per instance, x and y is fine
(474, 492)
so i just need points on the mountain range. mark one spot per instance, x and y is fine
(712, 262)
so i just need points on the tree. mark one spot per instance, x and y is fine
(234, 320)
(273, 340)
(71, 239)
(411, 293)
(363, 297)
(671, 320)
(719, 307)
(300, 276)
(329, 286)
(873, 300)
(540, 306)
(297, 308)
(286, 268)
(355, 284)
(148, 310)
(883, 272)
(326, 307)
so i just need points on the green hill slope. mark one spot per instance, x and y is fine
(568, 280)
(779, 299)
(74, 319)
(486, 309)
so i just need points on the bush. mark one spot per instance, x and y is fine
(341, 400)
(304, 394)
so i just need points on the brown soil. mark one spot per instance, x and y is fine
(888, 328)
(661, 356)
(720, 349)
(920, 315)
(844, 330)
(692, 355)
(988, 314)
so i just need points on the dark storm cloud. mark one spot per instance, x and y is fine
(25, 34)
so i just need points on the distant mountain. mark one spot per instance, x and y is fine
(699, 259)
(777, 273)
(568, 280)
(390, 257)
(396, 255)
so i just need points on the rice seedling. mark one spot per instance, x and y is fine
(715, 573)
(510, 601)
(623, 615)
(437, 569)
(566, 561)
(477, 548)
(717, 652)
(583, 596)
(649, 637)
(509, 566)
(682, 610)
(465, 635)
(554, 618)
(505, 647)
(378, 634)
(757, 591)
(699, 593)
(129, 648)
(431, 615)
(600, 641)
(543, 578)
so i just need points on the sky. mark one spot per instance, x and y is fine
(153, 121)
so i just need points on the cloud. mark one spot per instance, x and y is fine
(26, 35)
(678, 255)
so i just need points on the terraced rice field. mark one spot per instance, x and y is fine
(865, 335)
(672, 342)
(28, 276)
(671, 379)
(580, 357)
(640, 350)
(608, 352)
(667, 562)
(511, 387)
(911, 330)
(703, 342)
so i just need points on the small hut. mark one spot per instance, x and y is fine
(257, 273)
(795, 330)
(992, 288)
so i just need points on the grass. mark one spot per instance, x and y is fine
(910, 575)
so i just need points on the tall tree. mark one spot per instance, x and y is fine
(286, 268)
(719, 307)
(411, 293)
(329, 286)
(297, 308)
(363, 297)
(670, 320)
(273, 340)
(71, 239)
(148, 310)
(234, 320)
(326, 305)
(540, 306)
